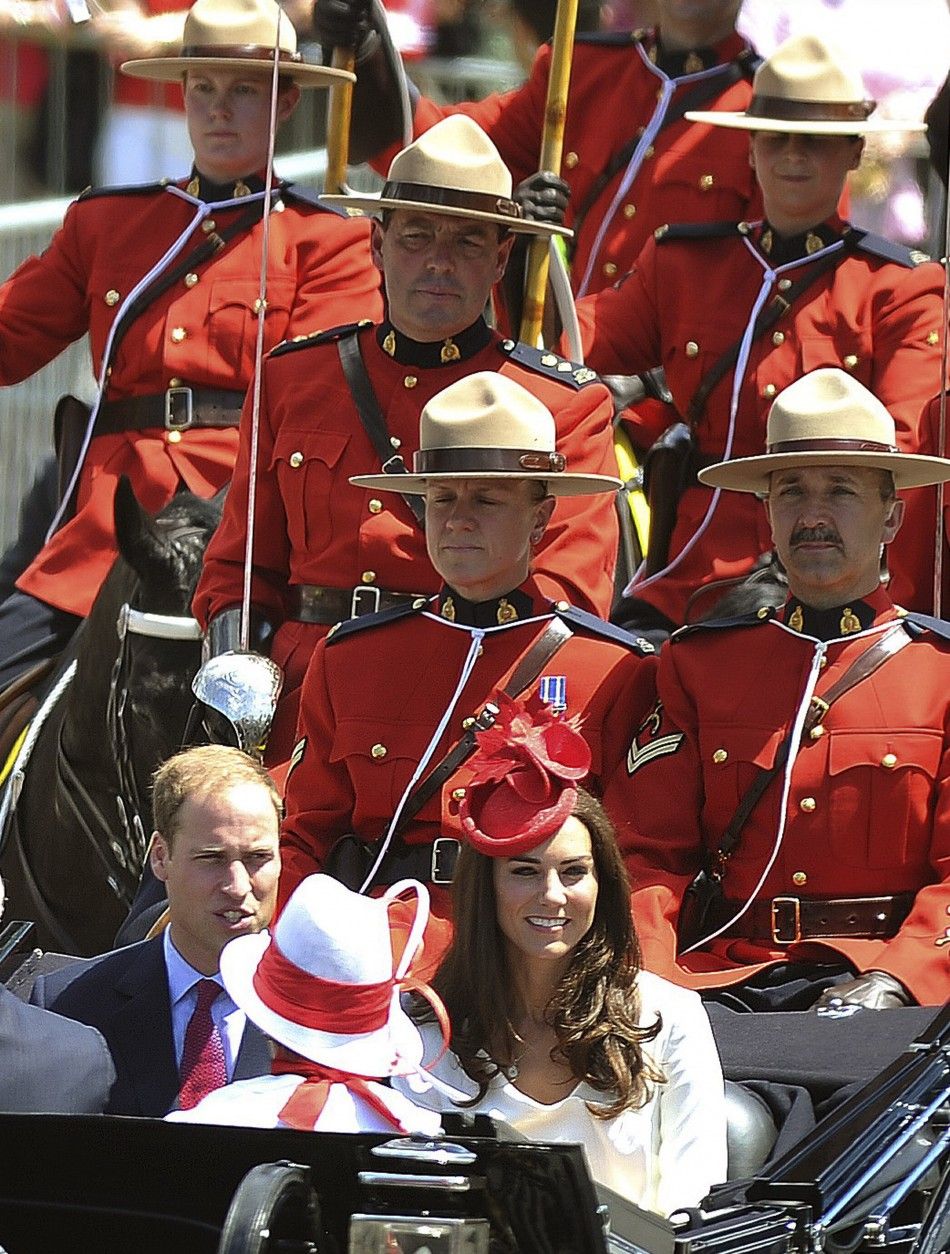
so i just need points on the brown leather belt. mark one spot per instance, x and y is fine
(788, 920)
(313, 604)
(176, 409)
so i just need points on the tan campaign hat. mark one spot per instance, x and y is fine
(237, 34)
(806, 86)
(452, 168)
(827, 418)
(486, 426)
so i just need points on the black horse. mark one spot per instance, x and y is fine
(75, 842)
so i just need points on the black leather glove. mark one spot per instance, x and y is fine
(345, 24)
(543, 197)
(875, 990)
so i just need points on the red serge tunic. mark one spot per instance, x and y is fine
(861, 810)
(314, 527)
(200, 333)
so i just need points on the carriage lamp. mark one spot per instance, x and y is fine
(426, 1210)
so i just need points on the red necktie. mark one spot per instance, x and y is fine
(203, 1067)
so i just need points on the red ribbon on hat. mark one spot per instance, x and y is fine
(312, 1002)
(305, 1105)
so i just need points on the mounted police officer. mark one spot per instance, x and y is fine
(165, 278)
(390, 701)
(788, 827)
(757, 305)
(336, 404)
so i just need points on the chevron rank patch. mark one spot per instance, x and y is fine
(648, 744)
(297, 756)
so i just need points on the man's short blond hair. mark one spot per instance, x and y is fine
(202, 772)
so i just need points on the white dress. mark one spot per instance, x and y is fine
(662, 1157)
(257, 1103)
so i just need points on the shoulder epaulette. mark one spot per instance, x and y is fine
(763, 615)
(318, 337)
(340, 631)
(543, 361)
(887, 250)
(307, 196)
(599, 627)
(917, 624)
(698, 230)
(133, 189)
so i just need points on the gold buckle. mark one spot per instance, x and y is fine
(779, 924)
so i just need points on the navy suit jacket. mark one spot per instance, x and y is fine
(125, 995)
(49, 1064)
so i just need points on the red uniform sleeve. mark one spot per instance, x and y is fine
(222, 577)
(578, 555)
(655, 796)
(620, 325)
(44, 304)
(319, 799)
(338, 281)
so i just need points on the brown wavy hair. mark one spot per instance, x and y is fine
(595, 1010)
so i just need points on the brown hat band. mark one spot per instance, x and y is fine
(475, 461)
(453, 197)
(831, 446)
(242, 52)
(778, 109)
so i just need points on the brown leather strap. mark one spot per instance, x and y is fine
(311, 603)
(788, 920)
(177, 409)
(883, 648)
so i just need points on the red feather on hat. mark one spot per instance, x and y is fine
(524, 772)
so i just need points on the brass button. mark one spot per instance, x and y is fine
(808, 805)
(692, 348)
(549, 359)
(705, 182)
(629, 211)
(191, 279)
(889, 761)
(784, 284)
(799, 879)
(173, 437)
(720, 756)
(112, 297)
(816, 733)
(822, 662)
(769, 391)
(467, 723)
(259, 305)
(933, 337)
(610, 269)
(571, 159)
(764, 612)
(479, 651)
(778, 337)
(850, 361)
(649, 152)
(375, 506)
(174, 383)
(368, 576)
(296, 459)
(378, 752)
(208, 226)
(562, 605)
(410, 381)
(458, 794)
(178, 334)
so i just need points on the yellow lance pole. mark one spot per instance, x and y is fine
(339, 109)
(552, 142)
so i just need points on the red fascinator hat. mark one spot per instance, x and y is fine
(524, 785)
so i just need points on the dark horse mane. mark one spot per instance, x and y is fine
(79, 831)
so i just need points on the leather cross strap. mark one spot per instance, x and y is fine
(695, 98)
(556, 633)
(371, 416)
(884, 648)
